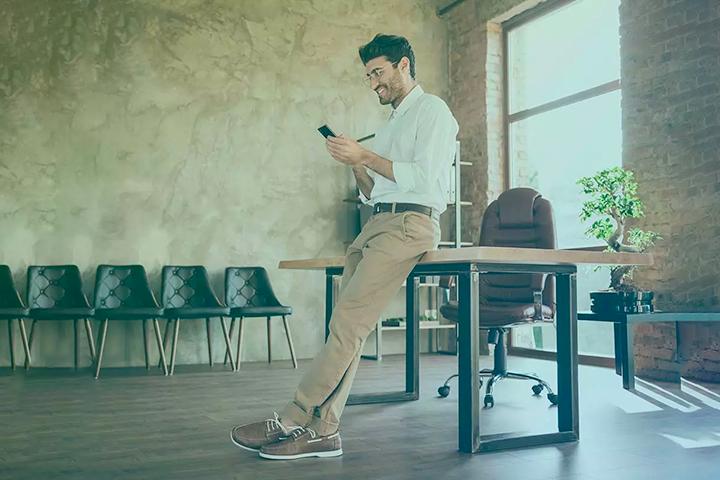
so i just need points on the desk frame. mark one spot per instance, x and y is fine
(470, 439)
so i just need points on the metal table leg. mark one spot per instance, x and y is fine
(628, 359)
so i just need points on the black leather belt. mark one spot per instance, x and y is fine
(405, 207)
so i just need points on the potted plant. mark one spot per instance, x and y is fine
(613, 202)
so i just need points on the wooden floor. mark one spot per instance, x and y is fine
(130, 424)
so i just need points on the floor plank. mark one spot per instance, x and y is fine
(131, 424)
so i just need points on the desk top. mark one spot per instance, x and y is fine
(495, 255)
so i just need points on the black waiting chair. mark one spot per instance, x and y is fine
(56, 293)
(519, 218)
(249, 294)
(187, 294)
(12, 308)
(122, 292)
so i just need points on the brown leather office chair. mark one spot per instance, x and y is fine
(519, 218)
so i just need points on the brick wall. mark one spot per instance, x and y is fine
(671, 135)
(671, 128)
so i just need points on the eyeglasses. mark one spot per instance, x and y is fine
(376, 73)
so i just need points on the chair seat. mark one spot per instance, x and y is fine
(500, 315)
(61, 313)
(260, 311)
(140, 313)
(11, 313)
(200, 312)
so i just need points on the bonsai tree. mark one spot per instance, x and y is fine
(614, 200)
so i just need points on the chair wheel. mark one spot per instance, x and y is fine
(553, 398)
(489, 401)
(444, 391)
(537, 389)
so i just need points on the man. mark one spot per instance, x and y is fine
(405, 178)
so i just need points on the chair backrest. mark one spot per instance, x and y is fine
(187, 287)
(123, 286)
(57, 286)
(519, 218)
(249, 287)
(9, 296)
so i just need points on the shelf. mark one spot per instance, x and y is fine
(452, 244)
(423, 284)
(422, 327)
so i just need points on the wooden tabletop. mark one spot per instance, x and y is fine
(496, 255)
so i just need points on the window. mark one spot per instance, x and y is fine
(563, 122)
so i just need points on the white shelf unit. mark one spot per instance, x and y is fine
(455, 202)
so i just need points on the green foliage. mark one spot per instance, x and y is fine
(614, 199)
(642, 240)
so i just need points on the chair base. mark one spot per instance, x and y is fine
(500, 372)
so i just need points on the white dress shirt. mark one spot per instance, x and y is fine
(419, 140)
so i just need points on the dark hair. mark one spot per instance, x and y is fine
(391, 46)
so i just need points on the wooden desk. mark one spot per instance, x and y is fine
(467, 264)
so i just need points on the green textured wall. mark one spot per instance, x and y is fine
(184, 132)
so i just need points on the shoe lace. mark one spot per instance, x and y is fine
(297, 432)
(273, 424)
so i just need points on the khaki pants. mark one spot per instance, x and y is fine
(376, 265)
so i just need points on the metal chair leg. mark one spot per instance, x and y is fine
(75, 330)
(174, 346)
(30, 342)
(11, 339)
(165, 338)
(491, 384)
(232, 329)
(91, 343)
(209, 339)
(26, 346)
(269, 341)
(101, 347)
(524, 376)
(145, 344)
(161, 347)
(228, 343)
(290, 342)
(239, 347)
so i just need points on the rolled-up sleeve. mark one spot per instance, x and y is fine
(436, 134)
(365, 200)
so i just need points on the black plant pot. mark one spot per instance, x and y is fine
(621, 302)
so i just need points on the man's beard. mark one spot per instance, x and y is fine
(388, 92)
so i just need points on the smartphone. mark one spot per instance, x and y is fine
(326, 132)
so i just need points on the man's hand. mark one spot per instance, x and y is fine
(346, 150)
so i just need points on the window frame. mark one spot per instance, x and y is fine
(508, 26)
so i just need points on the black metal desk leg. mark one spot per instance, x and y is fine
(618, 349)
(628, 360)
(329, 301)
(412, 336)
(469, 362)
(567, 358)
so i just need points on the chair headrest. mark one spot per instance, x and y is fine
(516, 207)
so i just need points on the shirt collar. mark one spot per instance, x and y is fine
(407, 102)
